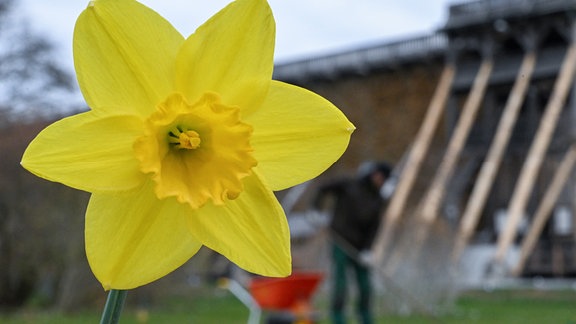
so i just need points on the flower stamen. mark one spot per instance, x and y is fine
(184, 139)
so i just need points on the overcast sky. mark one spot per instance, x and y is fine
(304, 27)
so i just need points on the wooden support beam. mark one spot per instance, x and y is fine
(429, 206)
(413, 163)
(545, 208)
(491, 164)
(536, 155)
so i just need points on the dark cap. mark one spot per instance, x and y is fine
(369, 167)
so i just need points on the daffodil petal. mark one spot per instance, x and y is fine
(250, 231)
(88, 152)
(132, 238)
(124, 55)
(231, 54)
(297, 135)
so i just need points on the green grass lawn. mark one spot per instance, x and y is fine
(509, 307)
(505, 307)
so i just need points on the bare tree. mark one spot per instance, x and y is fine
(31, 81)
(41, 223)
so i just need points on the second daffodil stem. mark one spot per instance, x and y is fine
(113, 307)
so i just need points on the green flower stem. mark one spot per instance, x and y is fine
(113, 307)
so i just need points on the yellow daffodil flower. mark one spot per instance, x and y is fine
(185, 141)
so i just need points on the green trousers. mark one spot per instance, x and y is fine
(342, 263)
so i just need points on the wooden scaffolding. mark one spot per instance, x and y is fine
(491, 42)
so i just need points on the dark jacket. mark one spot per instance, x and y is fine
(356, 211)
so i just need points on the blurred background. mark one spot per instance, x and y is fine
(471, 101)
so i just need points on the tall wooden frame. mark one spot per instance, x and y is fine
(536, 154)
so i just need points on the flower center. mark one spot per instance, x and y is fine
(184, 139)
(196, 152)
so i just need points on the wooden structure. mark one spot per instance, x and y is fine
(481, 112)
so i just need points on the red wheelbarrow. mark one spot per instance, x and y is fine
(287, 299)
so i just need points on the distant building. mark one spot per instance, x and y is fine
(386, 90)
